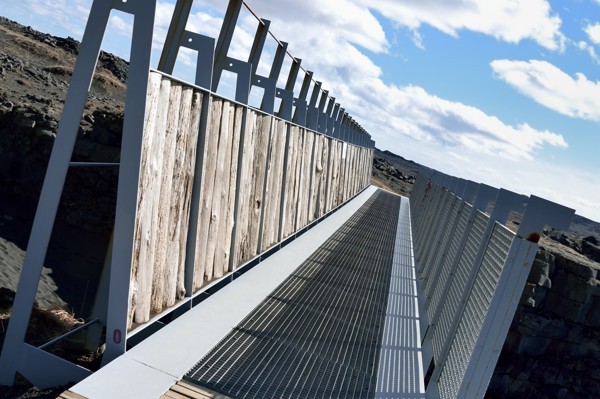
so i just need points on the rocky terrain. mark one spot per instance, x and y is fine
(553, 348)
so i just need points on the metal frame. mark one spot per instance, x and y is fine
(114, 290)
(539, 212)
(18, 356)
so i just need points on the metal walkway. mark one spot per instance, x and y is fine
(319, 333)
(313, 320)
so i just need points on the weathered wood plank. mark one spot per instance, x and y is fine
(334, 174)
(177, 230)
(268, 192)
(278, 188)
(242, 239)
(229, 178)
(208, 182)
(221, 189)
(343, 159)
(235, 148)
(148, 192)
(297, 180)
(293, 180)
(164, 199)
(274, 185)
(70, 395)
(203, 391)
(316, 183)
(189, 167)
(263, 131)
(144, 209)
(306, 172)
(322, 195)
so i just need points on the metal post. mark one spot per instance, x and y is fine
(174, 36)
(289, 86)
(224, 42)
(300, 113)
(133, 127)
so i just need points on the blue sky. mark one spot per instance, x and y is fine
(502, 92)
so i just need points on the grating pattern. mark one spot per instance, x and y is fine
(319, 333)
(400, 371)
(438, 293)
(475, 312)
(458, 284)
(432, 243)
(437, 251)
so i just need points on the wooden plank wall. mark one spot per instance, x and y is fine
(321, 173)
(294, 168)
(164, 194)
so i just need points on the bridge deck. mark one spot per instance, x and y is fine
(333, 314)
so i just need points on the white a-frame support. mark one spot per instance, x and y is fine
(39, 367)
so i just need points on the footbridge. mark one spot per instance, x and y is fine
(250, 256)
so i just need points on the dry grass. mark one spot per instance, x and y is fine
(34, 46)
(59, 70)
(107, 79)
(45, 324)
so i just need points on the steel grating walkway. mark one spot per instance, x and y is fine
(319, 334)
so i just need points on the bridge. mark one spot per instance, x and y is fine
(251, 258)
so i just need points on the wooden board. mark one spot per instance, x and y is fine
(315, 182)
(207, 187)
(185, 390)
(305, 178)
(185, 148)
(274, 181)
(70, 395)
(148, 192)
(188, 174)
(220, 189)
(322, 194)
(293, 168)
(233, 176)
(242, 238)
(263, 132)
(164, 198)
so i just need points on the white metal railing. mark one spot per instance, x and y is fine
(472, 271)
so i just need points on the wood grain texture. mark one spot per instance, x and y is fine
(143, 231)
(322, 193)
(321, 173)
(164, 199)
(343, 164)
(242, 238)
(334, 174)
(148, 192)
(233, 176)
(274, 180)
(70, 395)
(179, 205)
(263, 132)
(206, 191)
(221, 189)
(189, 167)
(305, 178)
(292, 180)
(316, 171)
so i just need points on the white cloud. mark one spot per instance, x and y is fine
(67, 16)
(541, 177)
(386, 109)
(593, 32)
(510, 21)
(350, 21)
(548, 85)
(584, 46)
